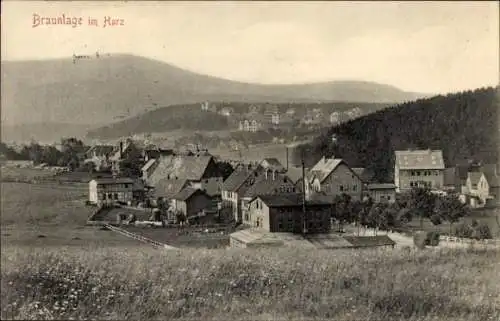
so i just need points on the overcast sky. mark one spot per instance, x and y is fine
(423, 47)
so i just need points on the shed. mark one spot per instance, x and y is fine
(254, 238)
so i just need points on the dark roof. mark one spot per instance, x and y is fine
(186, 193)
(212, 186)
(369, 241)
(294, 173)
(364, 174)
(291, 200)
(118, 180)
(491, 174)
(237, 178)
(181, 167)
(169, 187)
(450, 176)
(381, 186)
(268, 186)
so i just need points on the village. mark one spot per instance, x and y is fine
(267, 203)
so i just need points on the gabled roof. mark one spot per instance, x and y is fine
(324, 167)
(212, 186)
(474, 177)
(420, 159)
(186, 193)
(364, 174)
(190, 167)
(491, 174)
(272, 163)
(169, 187)
(237, 178)
(268, 186)
(294, 173)
(369, 241)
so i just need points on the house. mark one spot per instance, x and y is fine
(484, 184)
(419, 168)
(168, 188)
(243, 178)
(285, 214)
(252, 124)
(271, 114)
(111, 190)
(335, 118)
(191, 201)
(191, 167)
(382, 193)
(333, 176)
(204, 106)
(253, 109)
(271, 182)
(123, 151)
(290, 112)
(294, 173)
(153, 152)
(99, 155)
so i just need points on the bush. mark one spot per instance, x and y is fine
(482, 232)
(432, 239)
(463, 230)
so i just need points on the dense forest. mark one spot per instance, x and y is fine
(463, 125)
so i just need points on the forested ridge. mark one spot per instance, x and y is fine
(463, 125)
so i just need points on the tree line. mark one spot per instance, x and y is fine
(418, 204)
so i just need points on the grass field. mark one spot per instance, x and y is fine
(279, 284)
(50, 215)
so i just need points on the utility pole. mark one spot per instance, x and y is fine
(304, 229)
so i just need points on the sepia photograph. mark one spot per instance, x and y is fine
(250, 160)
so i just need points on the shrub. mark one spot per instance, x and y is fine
(422, 239)
(432, 238)
(463, 230)
(482, 232)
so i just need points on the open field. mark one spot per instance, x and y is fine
(278, 284)
(50, 215)
(24, 174)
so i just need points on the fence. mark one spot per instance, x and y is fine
(455, 239)
(140, 238)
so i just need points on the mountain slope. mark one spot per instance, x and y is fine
(464, 125)
(103, 89)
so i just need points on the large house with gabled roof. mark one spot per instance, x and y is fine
(419, 168)
(332, 176)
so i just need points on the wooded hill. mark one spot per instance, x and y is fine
(463, 125)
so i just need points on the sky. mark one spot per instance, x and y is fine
(416, 46)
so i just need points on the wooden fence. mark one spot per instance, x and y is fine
(455, 239)
(140, 238)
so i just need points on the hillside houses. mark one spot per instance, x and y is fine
(419, 168)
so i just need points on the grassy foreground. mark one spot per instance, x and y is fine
(284, 284)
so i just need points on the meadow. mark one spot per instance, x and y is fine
(50, 215)
(280, 284)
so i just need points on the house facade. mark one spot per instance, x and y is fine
(419, 168)
(109, 190)
(483, 185)
(334, 177)
(191, 201)
(285, 214)
(382, 193)
(250, 125)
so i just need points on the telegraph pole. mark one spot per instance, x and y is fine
(304, 229)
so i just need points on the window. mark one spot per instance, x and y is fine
(354, 188)
(341, 188)
(246, 217)
(388, 197)
(412, 173)
(115, 196)
(411, 184)
(418, 173)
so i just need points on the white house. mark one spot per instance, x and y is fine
(111, 190)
